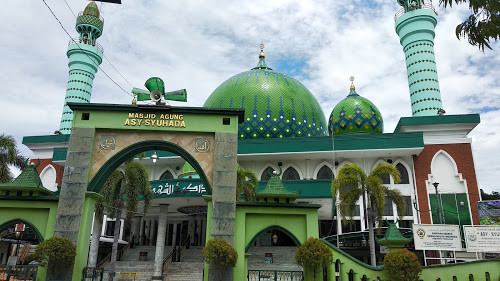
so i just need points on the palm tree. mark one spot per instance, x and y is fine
(9, 155)
(132, 183)
(372, 191)
(247, 187)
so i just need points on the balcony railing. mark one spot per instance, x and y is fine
(426, 6)
(88, 42)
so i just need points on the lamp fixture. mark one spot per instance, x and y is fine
(154, 157)
(275, 239)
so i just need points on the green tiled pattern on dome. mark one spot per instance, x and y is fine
(92, 10)
(276, 105)
(188, 172)
(90, 20)
(355, 114)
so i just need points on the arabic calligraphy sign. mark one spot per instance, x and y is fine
(202, 145)
(107, 143)
(178, 188)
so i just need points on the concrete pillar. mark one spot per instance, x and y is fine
(151, 232)
(174, 235)
(94, 243)
(199, 222)
(160, 242)
(141, 231)
(203, 231)
(191, 229)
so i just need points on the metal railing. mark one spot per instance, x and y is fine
(89, 42)
(274, 275)
(92, 274)
(176, 254)
(426, 6)
(18, 272)
(119, 256)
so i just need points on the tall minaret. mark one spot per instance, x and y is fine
(415, 24)
(85, 56)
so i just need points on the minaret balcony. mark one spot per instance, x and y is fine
(425, 6)
(85, 41)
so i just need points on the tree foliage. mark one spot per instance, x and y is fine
(313, 255)
(220, 253)
(402, 265)
(246, 182)
(353, 184)
(482, 25)
(56, 253)
(9, 155)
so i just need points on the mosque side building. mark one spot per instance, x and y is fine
(285, 130)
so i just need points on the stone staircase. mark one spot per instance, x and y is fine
(131, 263)
(283, 258)
(190, 268)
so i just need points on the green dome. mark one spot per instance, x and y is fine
(92, 10)
(355, 114)
(188, 172)
(276, 105)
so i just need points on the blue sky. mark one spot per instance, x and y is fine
(197, 45)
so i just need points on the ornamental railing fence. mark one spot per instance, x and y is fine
(273, 275)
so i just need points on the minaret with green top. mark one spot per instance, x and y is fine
(85, 56)
(415, 24)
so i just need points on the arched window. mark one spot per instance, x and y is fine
(351, 275)
(404, 173)
(48, 177)
(266, 175)
(166, 176)
(337, 270)
(325, 173)
(290, 174)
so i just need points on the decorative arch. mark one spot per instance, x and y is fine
(291, 165)
(4, 225)
(444, 170)
(261, 173)
(168, 169)
(117, 159)
(282, 229)
(320, 166)
(48, 176)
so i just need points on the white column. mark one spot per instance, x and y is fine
(191, 229)
(174, 235)
(151, 232)
(160, 242)
(141, 231)
(94, 243)
(308, 175)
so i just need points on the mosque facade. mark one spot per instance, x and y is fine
(284, 131)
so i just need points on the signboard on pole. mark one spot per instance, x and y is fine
(437, 237)
(483, 238)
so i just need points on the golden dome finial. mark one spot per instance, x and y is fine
(262, 55)
(352, 83)
(134, 101)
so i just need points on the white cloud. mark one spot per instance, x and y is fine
(199, 44)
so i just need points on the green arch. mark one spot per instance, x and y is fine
(4, 225)
(114, 162)
(291, 235)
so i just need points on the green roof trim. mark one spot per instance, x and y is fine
(344, 142)
(437, 120)
(46, 139)
(171, 109)
(59, 154)
(279, 205)
(28, 180)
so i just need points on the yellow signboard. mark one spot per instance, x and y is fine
(129, 274)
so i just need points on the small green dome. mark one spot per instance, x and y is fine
(92, 10)
(355, 114)
(188, 172)
(276, 105)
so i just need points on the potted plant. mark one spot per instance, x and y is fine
(56, 254)
(221, 256)
(313, 255)
(402, 265)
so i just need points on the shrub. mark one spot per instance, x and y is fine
(56, 253)
(220, 252)
(313, 255)
(402, 265)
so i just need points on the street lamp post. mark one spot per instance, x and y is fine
(439, 210)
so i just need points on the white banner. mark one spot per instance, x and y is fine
(485, 238)
(437, 237)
